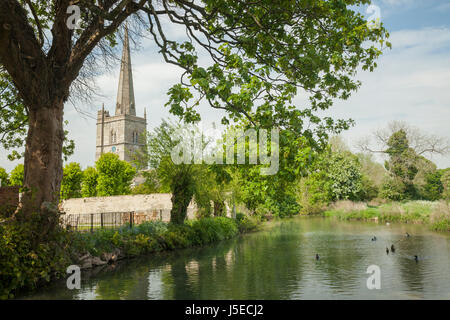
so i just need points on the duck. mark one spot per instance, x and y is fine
(387, 250)
(416, 258)
(374, 238)
(392, 248)
(317, 256)
(407, 235)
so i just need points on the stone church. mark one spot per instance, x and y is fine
(122, 133)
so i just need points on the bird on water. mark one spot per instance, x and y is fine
(416, 258)
(392, 248)
(317, 256)
(374, 238)
(407, 235)
(387, 250)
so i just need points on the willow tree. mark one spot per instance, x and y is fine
(262, 54)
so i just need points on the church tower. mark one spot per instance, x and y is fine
(122, 133)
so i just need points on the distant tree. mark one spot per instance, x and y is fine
(71, 182)
(373, 170)
(433, 188)
(17, 175)
(445, 180)
(344, 173)
(4, 178)
(421, 142)
(337, 144)
(89, 183)
(333, 176)
(402, 164)
(424, 181)
(393, 188)
(151, 183)
(369, 190)
(114, 175)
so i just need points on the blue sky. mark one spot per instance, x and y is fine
(412, 82)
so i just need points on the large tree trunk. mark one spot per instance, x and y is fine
(43, 165)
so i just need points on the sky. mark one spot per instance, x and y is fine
(411, 83)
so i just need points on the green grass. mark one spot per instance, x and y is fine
(435, 214)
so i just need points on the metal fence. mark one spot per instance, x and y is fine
(110, 220)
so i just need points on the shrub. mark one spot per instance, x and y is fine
(246, 223)
(393, 189)
(25, 264)
(210, 230)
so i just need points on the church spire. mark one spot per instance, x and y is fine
(125, 95)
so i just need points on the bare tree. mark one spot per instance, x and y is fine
(421, 142)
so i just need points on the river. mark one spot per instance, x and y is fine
(279, 262)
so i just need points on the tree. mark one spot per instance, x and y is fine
(337, 144)
(17, 175)
(344, 173)
(213, 186)
(371, 169)
(4, 178)
(427, 172)
(433, 188)
(71, 182)
(114, 175)
(393, 188)
(421, 142)
(412, 174)
(333, 176)
(445, 180)
(402, 162)
(183, 179)
(151, 183)
(261, 55)
(89, 183)
(274, 194)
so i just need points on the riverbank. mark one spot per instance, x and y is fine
(108, 245)
(278, 263)
(25, 267)
(435, 214)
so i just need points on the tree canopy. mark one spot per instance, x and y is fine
(114, 175)
(261, 56)
(16, 176)
(71, 183)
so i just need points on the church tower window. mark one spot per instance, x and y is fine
(113, 138)
(135, 137)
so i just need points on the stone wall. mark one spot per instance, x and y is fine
(9, 200)
(148, 207)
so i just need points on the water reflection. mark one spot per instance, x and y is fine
(279, 263)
